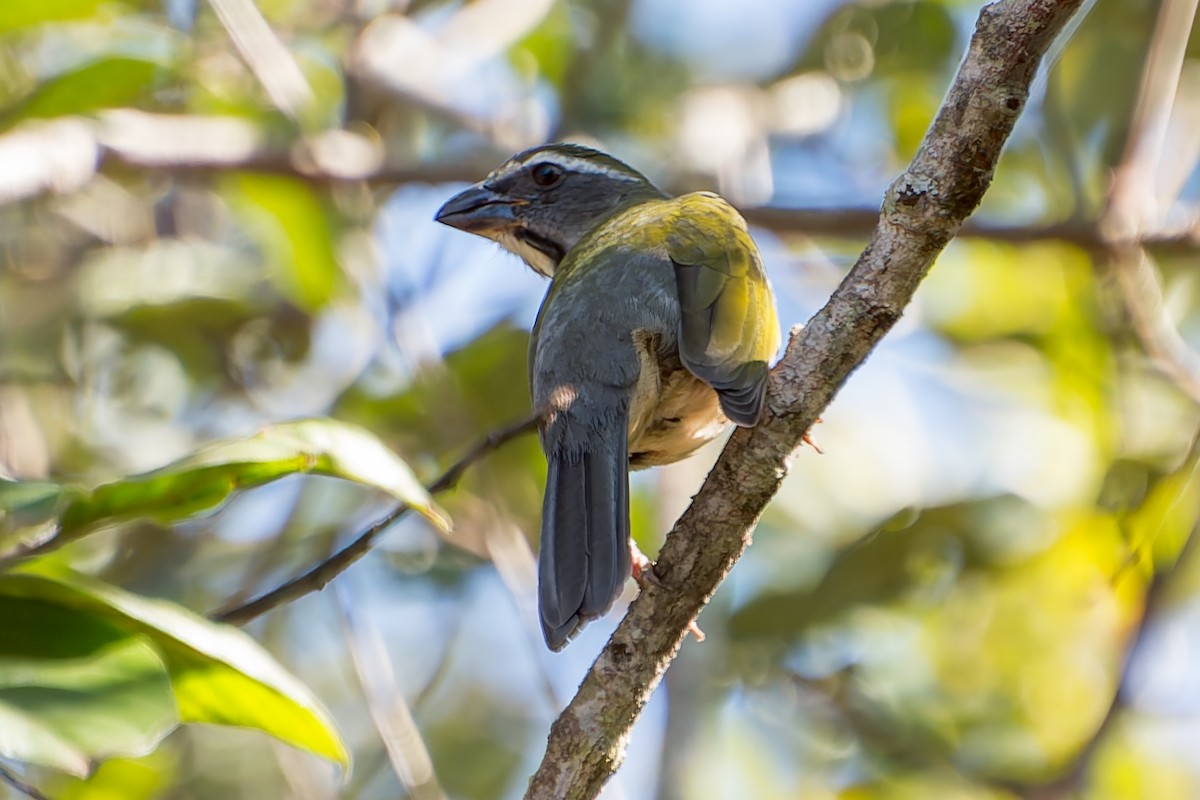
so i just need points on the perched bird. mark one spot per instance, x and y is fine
(655, 333)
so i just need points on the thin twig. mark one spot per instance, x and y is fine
(391, 715)
(21, 786)
(266, 56)
(1135, 207)
(320, 575)
(517, 566)
(1133, 201)
(1168, 351)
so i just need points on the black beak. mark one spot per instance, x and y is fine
(478, 210)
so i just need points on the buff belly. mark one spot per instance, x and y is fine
(674, 413)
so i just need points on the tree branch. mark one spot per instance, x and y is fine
(922, 211)
(318, 577)
(62, 156)
(848, 222)
(858, 223)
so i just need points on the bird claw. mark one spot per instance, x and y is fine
(642, 570)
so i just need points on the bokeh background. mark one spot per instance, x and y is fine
(217, 215)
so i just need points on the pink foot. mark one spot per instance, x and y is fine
(810, 441)
(642, 569)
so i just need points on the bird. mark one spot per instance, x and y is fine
(655, 333)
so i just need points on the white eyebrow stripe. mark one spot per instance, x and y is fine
(569, 163)
(573, 164)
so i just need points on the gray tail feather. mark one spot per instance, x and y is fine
(584, 556)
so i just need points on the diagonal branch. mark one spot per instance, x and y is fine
(266, 56)
(922, 211)
(318, 577)
(391, 714)
(1135, 202)
(1167, 350)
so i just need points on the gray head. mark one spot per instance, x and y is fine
(542, 201)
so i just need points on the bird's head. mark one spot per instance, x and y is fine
(542, 201)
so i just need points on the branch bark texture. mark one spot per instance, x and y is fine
(922, 211)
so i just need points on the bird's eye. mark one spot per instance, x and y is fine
(546, 174)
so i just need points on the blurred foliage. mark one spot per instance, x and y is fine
(981, 590)
(207, 477)
(119, 671)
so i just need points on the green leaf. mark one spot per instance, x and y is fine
(16, 14)
(901, 24)
(114, 702)
(23, 738)
(106, 83)
(550, 45)
(144, 778)
(74, 688)
(218, 674)
(293, 229)
(28, 502)
(206, 478)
